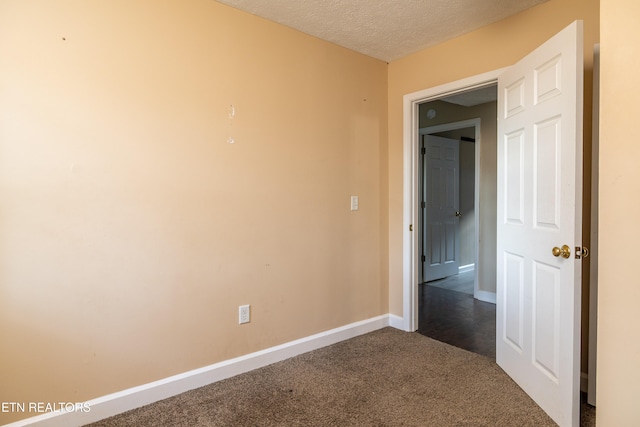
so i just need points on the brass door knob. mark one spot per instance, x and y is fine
(564, 251)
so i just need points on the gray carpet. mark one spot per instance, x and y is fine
(385, 378)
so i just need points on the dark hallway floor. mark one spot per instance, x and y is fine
(457, 319)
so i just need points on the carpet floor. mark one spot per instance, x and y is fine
(384, 378)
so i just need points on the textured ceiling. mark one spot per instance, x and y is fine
(384, 29)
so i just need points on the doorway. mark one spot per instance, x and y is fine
(411, 244)
(459, 309)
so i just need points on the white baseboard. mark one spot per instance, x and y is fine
(465, 268)
(117, 403)
(396, 322)
(485, 296)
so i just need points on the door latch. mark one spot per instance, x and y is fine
(582, 252)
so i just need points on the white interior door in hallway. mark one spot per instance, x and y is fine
(441, 207)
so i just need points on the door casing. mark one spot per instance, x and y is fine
(411, 187)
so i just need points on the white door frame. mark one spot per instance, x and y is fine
(471, 123)
(593, 267)
(411, 197)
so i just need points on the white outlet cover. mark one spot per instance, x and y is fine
(354, 203)
(244, 314)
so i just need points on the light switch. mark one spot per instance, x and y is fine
(354, 203)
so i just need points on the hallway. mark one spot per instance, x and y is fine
(455, 317)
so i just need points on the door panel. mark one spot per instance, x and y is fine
(546, 334)
(540, 207)
(514, 178)
(546, 141)
(513, 298)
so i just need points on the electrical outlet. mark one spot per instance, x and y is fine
(244, 314)
(354, 203)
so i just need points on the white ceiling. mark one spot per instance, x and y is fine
(384, 29)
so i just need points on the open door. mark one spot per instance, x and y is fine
(441, 207)
(540, 223)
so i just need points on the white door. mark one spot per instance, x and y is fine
(539, 208)
(441, 182)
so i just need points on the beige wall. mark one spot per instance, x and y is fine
(489, 48)
(130, 230)
(618, 289)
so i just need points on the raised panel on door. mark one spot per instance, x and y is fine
(513, 182)
(512, 317)
(546, 284)
(547, 161)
